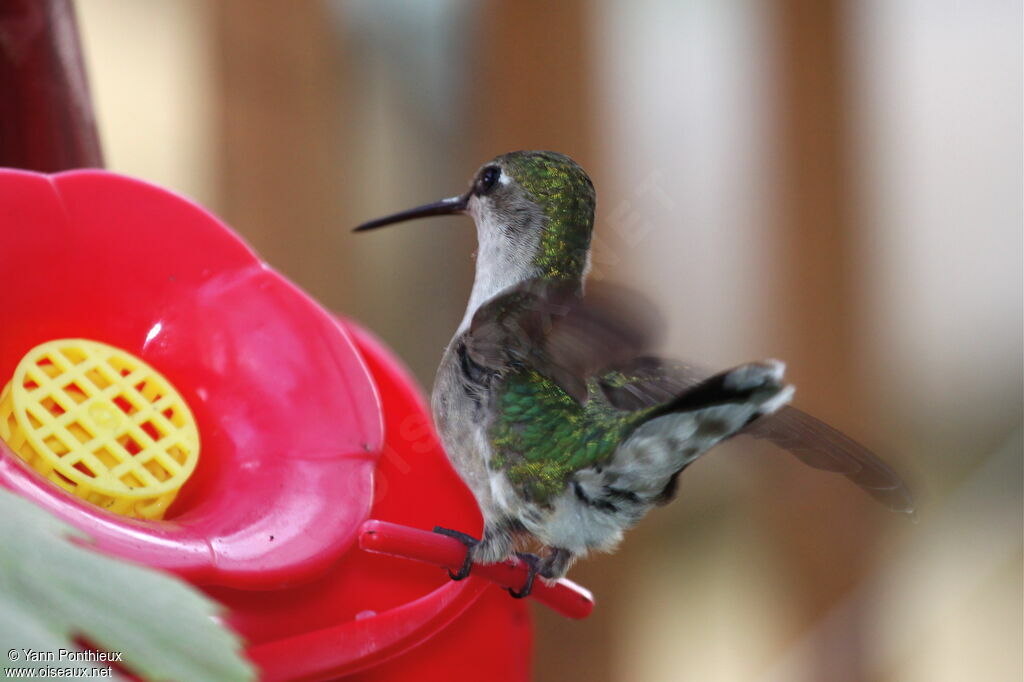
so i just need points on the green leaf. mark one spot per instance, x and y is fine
(52, 590)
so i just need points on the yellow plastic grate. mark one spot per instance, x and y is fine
(102, 424)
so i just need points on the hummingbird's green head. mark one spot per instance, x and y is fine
(538, 206)
(534, 212)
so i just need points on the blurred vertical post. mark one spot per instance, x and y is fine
(280, 118)
(46, 118)
(825, 538)
(529, 98)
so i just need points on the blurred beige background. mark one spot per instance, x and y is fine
(838, 184)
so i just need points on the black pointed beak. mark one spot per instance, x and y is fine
(444, 207)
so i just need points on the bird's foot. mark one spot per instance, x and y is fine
(556, 563)
(469, 541)
(532, 562)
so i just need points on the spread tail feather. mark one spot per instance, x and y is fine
(758, 383)
(678, 431)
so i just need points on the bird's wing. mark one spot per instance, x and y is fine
(649, 381)
(544, 325)
(547, 345)
(817, 444)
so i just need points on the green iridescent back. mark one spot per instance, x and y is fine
(564, 192)
(540, 436)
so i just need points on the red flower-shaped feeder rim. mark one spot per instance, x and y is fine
(290, 422)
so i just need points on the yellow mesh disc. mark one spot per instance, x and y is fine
(102, 424)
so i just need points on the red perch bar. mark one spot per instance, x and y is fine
(381, 537)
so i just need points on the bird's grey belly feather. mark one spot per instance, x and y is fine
(462, 423)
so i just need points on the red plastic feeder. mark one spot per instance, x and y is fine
(309, 430)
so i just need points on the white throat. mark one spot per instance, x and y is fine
(500, 263)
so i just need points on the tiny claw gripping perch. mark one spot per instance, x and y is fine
(382, 537)
(532, 562)
(469, 541)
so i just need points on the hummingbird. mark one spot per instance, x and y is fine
(548, 404)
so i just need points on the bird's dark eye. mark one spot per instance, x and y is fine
(488, 177)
